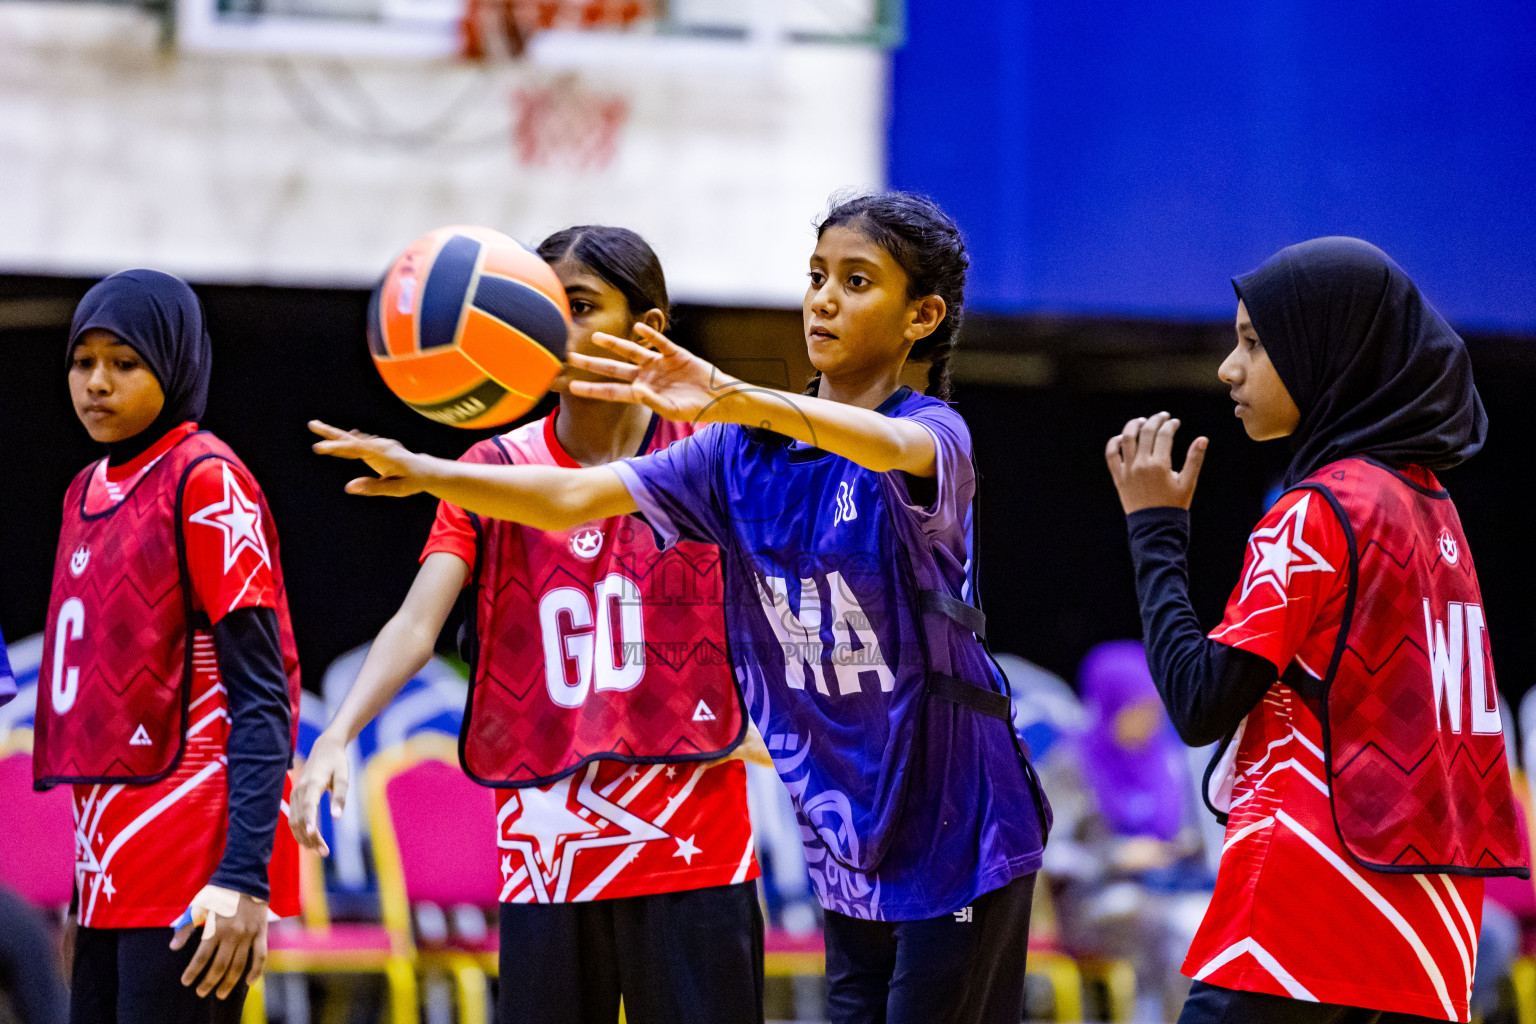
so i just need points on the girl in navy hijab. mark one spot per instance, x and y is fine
(1362, 774)
(168, 692)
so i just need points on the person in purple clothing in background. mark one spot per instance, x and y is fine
(1139, 885)
(843, 521)
(1133, 759)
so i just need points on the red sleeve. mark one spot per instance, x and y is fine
(225, 526)
(452, 533)
(1295, 575)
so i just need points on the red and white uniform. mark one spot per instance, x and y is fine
(1293, 914)
(143, 851)
(610, 829)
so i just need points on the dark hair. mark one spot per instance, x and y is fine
(618, 256)
(928, 245)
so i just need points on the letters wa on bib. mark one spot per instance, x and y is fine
(853, 633)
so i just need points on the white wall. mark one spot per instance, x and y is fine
(236, 167)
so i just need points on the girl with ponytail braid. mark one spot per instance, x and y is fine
(928, 247)
(842, 518)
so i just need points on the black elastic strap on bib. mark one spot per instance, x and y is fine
(1303, 682)
(958, 691)
(966, 616)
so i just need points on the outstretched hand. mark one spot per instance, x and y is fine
(1140, 461)
(665, 378)
(401, 471)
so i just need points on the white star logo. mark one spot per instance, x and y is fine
(685, 849)
(544, 816)
(239, 518)
(549, 819)
(1280, 551)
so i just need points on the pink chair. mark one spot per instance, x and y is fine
(434, 841)
(315, 945)
(38, 858)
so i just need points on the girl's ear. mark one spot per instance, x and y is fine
(653, 318)
(927, 313)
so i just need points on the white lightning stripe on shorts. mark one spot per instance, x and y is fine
(1431, 969)
(1266, 960)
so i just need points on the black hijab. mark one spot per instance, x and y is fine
(1370, 364)
(160, 317)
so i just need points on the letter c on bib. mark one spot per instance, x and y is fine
(66, 682)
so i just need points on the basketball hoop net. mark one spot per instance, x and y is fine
(502, 28)
(565, 125)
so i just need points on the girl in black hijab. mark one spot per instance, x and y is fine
(209, 764)
(1338, 352)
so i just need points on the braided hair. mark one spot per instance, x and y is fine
(927, 244)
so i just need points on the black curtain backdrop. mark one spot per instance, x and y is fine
(1055, 571)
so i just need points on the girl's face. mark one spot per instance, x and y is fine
(858, 318)
(115, 394)
(1263, 403)
(596, 306)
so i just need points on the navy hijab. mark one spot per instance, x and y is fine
(160, 317)
(1370, 364)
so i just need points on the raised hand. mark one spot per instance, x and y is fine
(400, 469)
(1140, 461)
(666, 378)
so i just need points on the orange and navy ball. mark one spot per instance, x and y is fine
(468, 327)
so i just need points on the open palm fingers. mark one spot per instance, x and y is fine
(605, 390)
(607, 367)
(637, 354)
(663, 344)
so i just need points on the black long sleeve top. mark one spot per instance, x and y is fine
(260, 744)
(1206, 686)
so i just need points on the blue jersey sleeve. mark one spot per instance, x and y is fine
(955, 486)
(678, 488)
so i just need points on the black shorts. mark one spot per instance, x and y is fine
(1209, 1004)
(133, 976)
(695, 955)
(962, 968)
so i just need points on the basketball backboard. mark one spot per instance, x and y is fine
(557, 32)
